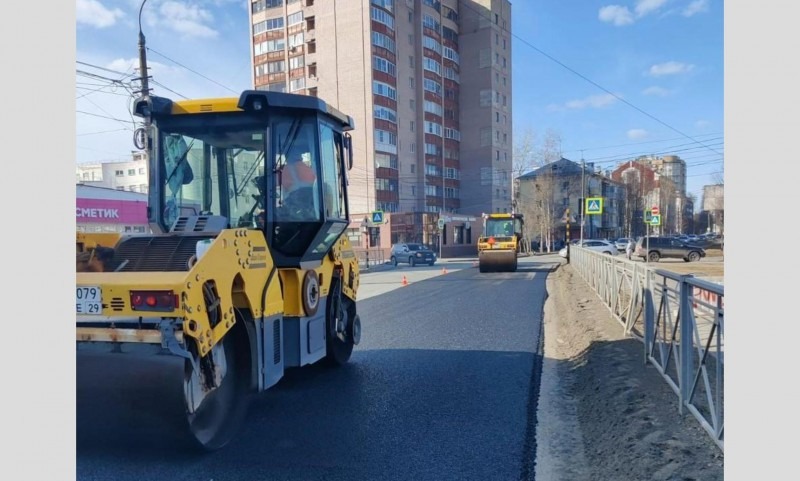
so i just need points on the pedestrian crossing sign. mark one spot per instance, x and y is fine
(377, 217)
(594, 205)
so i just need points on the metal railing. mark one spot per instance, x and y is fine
(662, 309)
(370, 257)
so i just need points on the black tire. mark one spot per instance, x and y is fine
(394, 260)
(412, 262)
(694, 256)
(430, 263)
(223, 411)
(339, 308)
(653, 256)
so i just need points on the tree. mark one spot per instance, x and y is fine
(537, 203)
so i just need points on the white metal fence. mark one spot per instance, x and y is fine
(662, 309)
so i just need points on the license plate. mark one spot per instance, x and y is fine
(88, 300)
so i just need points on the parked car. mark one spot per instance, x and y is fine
(412, 254)
(655, 248)
(621, 243)
(600, 245)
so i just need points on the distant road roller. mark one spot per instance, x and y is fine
(502, 242)
(247, 272)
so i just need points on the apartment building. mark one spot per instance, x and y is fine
(128, 175)
(427, 82)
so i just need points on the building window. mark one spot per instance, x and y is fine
(385, 66)
(433, 128)
(297, 84)
(384, 90)
(131, 171)
(387, 161)
(381, 40)
(385, 113)
(294, 18)
(381, 16)
(411, 126)
(276, 67)
(268, 25)
(433, 86)
(433, 107)
(119, 173)
(431, 43)
(297, 62)
(141, 170)
(432, 65)
(413, 168)
(296, 40)
(387, 4)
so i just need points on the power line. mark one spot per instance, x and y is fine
(105, 69)
(637, 143)
(101, 132)
(168, 89)
(103, 116)
(573, 71)
(193, 71)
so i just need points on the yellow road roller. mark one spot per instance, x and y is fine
(501, 242)
(246, 271)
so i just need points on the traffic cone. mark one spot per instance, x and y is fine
(405, 281)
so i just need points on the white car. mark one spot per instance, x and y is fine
(599, 245)
(621, 243)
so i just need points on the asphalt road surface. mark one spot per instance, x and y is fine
(443, 386)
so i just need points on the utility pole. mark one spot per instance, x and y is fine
(143, 58)
(583, 193)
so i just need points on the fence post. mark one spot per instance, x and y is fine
(649, 314)
(687, 342)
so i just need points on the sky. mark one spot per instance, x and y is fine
(613, 79)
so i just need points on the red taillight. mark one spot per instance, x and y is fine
(154, 300)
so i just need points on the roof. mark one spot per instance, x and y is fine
(83, 191)
(562, 166)
(250, 100)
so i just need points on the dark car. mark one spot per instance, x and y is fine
(655, 248)
(412, 254)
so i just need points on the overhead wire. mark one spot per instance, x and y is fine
(587, 79)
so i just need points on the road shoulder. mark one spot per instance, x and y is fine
(602, 413)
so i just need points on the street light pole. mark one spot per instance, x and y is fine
(583, 193)
(143, 58)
